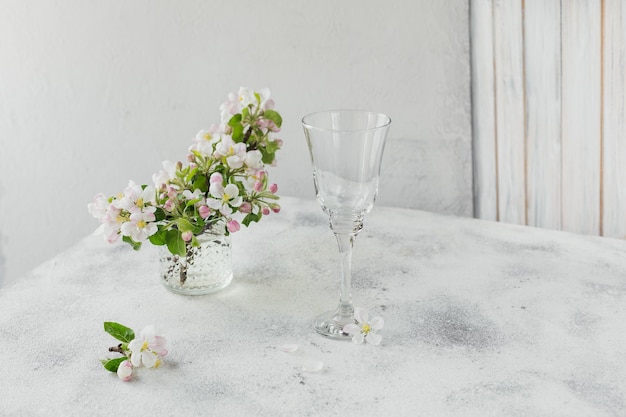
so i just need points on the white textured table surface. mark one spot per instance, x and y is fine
(481, 319)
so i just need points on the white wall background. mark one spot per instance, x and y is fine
(94, 93)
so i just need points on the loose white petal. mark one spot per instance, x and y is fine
(135, 345)
(231, 190)
(147, 332)
(135, 358)
(148, 358)
(314, 366)
(374, 339)
(288, 348)
(358, 338)
(377, 323)
(361, 315)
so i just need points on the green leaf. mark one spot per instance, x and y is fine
(185, 225)
(251, 217)
(274, 116)
(191, 174)
(131, 242)
(235, 120)
(159, 214)
(237, 133)
(192, 203)
(118, 331)
(175, 242)
(271, 146)
(267, 157)
(113, 364)
(200, 183)
(158, 238)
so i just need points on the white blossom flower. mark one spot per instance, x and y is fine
(224, 198)
(99, 206)
(235, 153)
(140, 225)
(192, 196)
(254, 160)
(205, 139)
(136, 196)
(246, 97)
(163, 176)
(364, 329)
(148, 348)
(230, 107)
(111, 223)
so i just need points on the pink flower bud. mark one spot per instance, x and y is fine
(266, 211)
(279, 142)
(216, 177)
(272, 127)
(169, 205)
(192, 165)
(204, 211)
(245, 207)
(191, 157)
(273, 188)
(261, 175)
(179, 166)
(125, 371)
(113, 237)
(275, 208)
(171, 192)
(233, 226)
(187, 236)
(269, 104)
(258, 186)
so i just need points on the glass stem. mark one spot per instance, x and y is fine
(345, 311)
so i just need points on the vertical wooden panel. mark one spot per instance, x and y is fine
(483, 111)
(614, 123)
(542, 64)
(509, 74)
(581, 115)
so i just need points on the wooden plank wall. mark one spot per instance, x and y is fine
(549, 103)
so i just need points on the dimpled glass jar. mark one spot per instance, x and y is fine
(205, 269)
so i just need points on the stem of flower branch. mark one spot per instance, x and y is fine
(246, 136)
(117, 349)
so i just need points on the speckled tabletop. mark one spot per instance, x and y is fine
(481, 319)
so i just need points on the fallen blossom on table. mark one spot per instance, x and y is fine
(364, 329)
(146, 350)
(313, 366)
(288, 348)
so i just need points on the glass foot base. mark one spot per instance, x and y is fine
(330, 324)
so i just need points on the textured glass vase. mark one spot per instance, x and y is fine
(205, 269)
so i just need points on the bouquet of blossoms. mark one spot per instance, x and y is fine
(223, 184)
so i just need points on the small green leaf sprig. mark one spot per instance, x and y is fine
(223, 184)
(146, 350)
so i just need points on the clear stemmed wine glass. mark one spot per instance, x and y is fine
(346, 148)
